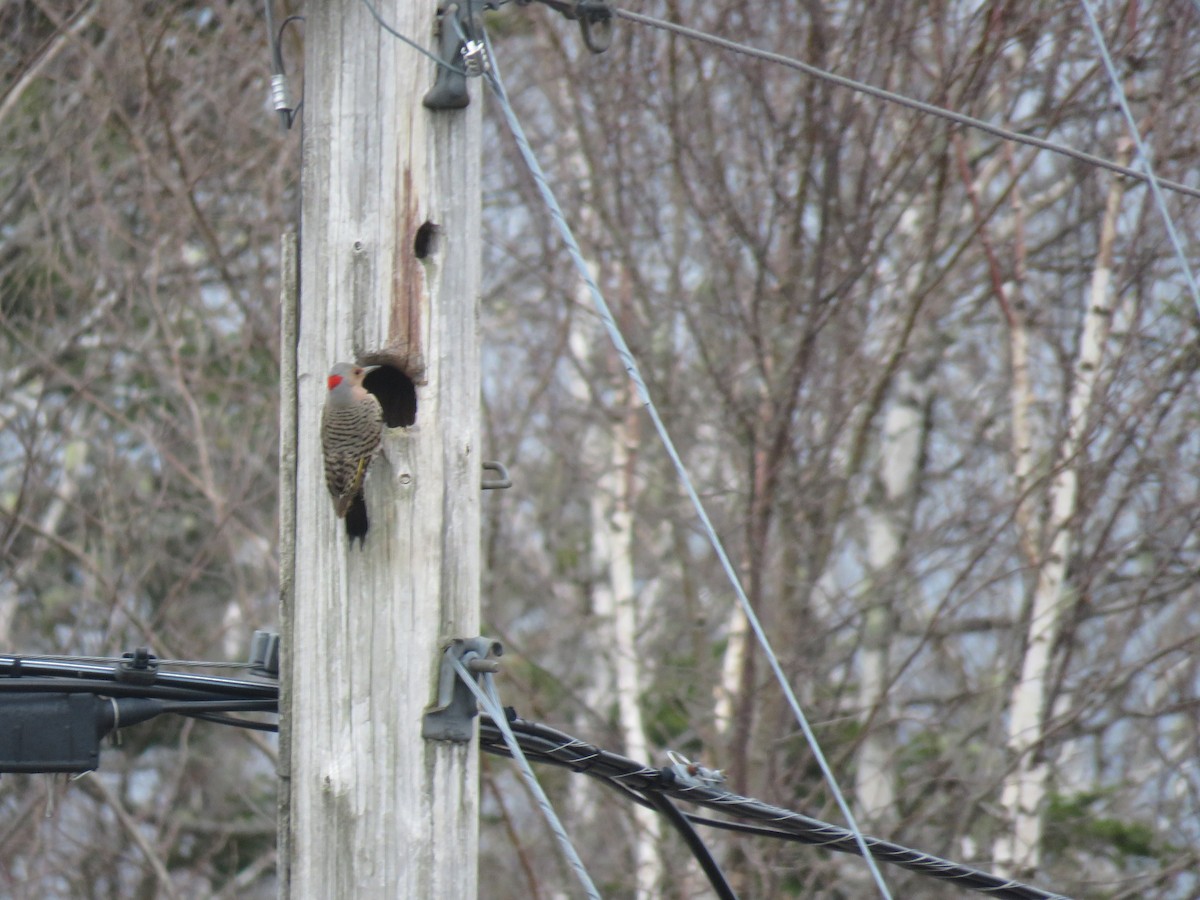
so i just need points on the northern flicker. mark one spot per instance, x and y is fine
(351, 430)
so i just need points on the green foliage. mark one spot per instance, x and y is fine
(668, 717)
(1075, 824)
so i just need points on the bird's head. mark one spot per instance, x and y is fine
(345, 382)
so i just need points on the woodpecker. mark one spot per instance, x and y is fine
(351, 431)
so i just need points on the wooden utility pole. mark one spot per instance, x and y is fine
(389, 274)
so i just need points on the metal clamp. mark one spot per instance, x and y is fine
(462, 54)
(595, 19)
(685, 772)
(450, 718)
(475, 59)
(138, 667)
(596, 24)
(264, 653)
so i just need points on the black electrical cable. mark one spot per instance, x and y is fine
(547, 743)
(276, 55)
(650, 799)
(20, 666)
(744, 828)
(285, 115)
(279, 49)
(202, 696)
(234, 721)
(278, 70)
(634, 797)
(715, 876)
(64, 684)
(195, 707)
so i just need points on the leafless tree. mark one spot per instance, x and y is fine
(144, 186)
(865, 328)
(937, 390)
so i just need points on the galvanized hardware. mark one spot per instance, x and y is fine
(280, 96)
(474, 57)
(686, 772)
(450, 718)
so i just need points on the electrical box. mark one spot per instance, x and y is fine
(50, 732)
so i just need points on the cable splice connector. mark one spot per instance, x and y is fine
(474, 57)
(281, 98)
(685, 772)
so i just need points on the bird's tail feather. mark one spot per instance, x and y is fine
(356, 520)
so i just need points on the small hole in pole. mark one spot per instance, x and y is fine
(426, 239)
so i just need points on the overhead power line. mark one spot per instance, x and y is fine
(501, 733)
(910, 102)
(541, 743)
(685, 479)
(1155, 182)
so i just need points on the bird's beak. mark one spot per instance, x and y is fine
(367, 370)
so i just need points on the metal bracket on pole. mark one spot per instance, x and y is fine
(461, 52)
(450, 718)
(264, 653)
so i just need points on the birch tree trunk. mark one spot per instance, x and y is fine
(733, 661)
(1018, 849)
(624, 655)
(617, 673)
(887, 521)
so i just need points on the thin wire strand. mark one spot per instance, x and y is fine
(631, 367)
(272, 36)
(1143, 151)
(911, 103)
(394, 33)
(490, 702)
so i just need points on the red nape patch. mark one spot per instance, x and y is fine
(334, 381)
